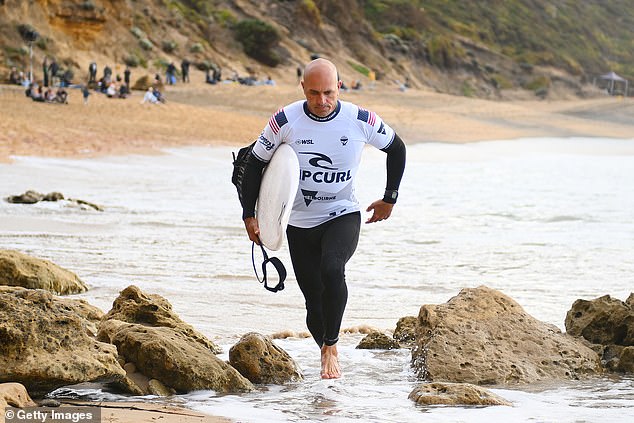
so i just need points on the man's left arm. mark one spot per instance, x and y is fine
(395, 163)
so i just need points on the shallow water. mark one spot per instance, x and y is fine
(546, 221)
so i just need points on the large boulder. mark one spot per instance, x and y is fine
(135, 306)
(18, 269)
(604, 320)
(169, 356)
(258, 359)
(481, 336)
(454, 394)
(47, 343)
(159, 346)
(608, 324)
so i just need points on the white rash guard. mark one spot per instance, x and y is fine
(329, 152)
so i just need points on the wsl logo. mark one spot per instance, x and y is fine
(310, 196)
(330, 175)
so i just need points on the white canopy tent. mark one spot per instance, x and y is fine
(612, 78)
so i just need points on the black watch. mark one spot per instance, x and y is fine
(390, 196)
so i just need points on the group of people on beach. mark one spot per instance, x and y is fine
(36, 93)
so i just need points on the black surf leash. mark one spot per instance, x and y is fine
(277, 264)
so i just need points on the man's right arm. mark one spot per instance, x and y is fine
(250, 189)
(251, 185)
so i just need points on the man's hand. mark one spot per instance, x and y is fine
(381, 211)
(253, 229)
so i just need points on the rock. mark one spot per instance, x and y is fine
(90, 313)
(439, 393)
(135, 383)
(610, 355)
(134, 306)
(46, 344)
(86, 203)
(32, 197)
(29, 197)
(14, 395)
(157, 388)
(18, 269)
(405, 332)
(53, 196)
(170, 356)
(258, 359)
(604, 320)
(49, 402)
(608, 324)
(378, 341)
(481, 336)
(626, 360)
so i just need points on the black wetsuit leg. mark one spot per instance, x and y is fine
(319, 256)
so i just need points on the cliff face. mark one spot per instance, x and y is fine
(508, 49)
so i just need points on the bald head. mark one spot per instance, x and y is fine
(321, 67)
(321, 87)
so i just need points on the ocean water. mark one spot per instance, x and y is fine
(546, 221)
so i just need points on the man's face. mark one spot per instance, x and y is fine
(321, 89)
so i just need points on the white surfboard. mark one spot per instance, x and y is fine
(277, 194)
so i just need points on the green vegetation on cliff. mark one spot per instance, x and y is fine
(581, 37)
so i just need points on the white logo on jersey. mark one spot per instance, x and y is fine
(322, 177)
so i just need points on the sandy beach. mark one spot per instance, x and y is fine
(139, 412)
(233, 114)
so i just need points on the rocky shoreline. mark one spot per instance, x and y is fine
(480, 338)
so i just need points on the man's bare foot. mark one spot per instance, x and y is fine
(330, 362)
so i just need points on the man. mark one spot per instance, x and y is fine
(328, 136)
(126, 78)
(185, 70)
(92, 72)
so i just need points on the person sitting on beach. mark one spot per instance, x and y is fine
(149, 97)
(37, 94)
(123, 91)
(61, 96)
(49, 96)
(111, 91)
(159, 95)
(14, 76)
